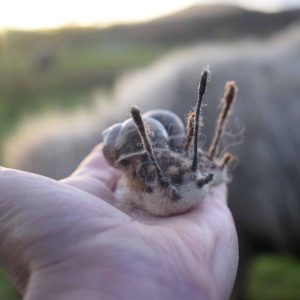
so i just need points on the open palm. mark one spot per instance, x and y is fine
(66, 240)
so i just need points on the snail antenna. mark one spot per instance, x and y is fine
(137, 118)
(189, 131)
(201, 91)
(227, 160)
(229, 96)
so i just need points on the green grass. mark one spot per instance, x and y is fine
(80, 62)
(275, 278)
(6, 290)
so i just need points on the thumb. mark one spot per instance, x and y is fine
(40, 219)
(94, 175)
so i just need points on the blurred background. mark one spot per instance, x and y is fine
(57, 57)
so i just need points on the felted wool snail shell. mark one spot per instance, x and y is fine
(164, 171)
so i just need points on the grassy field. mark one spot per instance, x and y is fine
(7, 292)
(274, 278)
(39, 71)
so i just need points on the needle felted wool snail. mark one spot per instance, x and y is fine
(164, 170)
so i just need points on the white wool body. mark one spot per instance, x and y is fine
(159, 203)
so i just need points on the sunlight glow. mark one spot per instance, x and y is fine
(34, 14)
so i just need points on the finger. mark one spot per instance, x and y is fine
(34, 211)
(92, 186)
(94, 175)
(96, 166)
(26, 195)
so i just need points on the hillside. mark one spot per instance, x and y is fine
(204, 23)
(42, 69)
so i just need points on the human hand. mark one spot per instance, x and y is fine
(66, 240)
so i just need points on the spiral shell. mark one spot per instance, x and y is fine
(172, 124)
(122, 141)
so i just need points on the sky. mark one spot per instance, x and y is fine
(41, 14)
